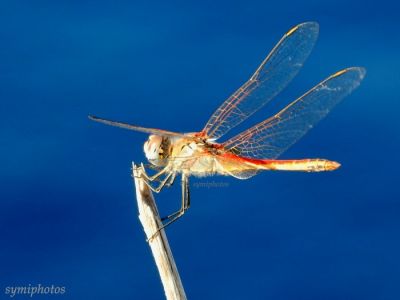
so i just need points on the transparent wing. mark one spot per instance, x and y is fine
(272, 137)
(271, 77)
(138, 128)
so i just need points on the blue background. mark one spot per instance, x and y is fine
(68, 214)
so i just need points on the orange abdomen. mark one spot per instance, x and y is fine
(306, 165)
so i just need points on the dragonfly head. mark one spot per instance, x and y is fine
(157, 149)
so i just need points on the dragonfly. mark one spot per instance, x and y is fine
(257, 148)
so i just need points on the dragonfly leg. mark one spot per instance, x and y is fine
(166, 180)
(185, 202)
(151, 167)
(155, 176)
(171, 180)
(185, 205)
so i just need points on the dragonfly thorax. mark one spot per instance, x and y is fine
(157, 149)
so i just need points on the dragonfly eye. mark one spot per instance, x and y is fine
(156, 149)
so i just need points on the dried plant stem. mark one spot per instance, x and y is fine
(150, 219)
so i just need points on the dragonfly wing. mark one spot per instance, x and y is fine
(272, 137)
(236, 167)
(246, 174)
(271, 77)
(155, 131)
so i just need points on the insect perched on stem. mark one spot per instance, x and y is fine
(257, 148)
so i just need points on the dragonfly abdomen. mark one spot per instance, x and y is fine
(239, 163)
(306, 165)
